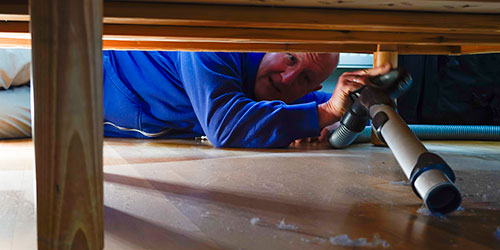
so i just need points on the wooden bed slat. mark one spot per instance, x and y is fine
(295, 18)
(269, 17)
(212, 34)
(152, 37)
(200, 27)
(458, 6)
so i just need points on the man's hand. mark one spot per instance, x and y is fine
(332, 110)
(323, 137)
(326, 131)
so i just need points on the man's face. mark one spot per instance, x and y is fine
(289, 76)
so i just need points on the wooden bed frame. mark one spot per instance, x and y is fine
(67, 38)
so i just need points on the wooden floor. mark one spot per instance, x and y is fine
(188, 195)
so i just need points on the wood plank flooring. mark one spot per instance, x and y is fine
(185, 194)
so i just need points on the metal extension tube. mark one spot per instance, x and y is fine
(431, 178)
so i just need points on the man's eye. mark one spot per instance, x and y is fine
(292, 58)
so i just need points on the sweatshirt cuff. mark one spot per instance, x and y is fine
(303, 120)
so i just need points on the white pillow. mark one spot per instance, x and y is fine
(14, 67)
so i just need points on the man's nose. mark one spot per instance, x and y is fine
(288, 76)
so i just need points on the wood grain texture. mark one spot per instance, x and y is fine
(235, 47)
(303, 18)
(446, 6)
(476, 49)
(381, 57)
(15, 43)
(276, 47)
(256, 35)
(185, 194)
(202, 27)
(269, 17)
(15, 35)
(460, 6)
(67, 86)
(282, 36)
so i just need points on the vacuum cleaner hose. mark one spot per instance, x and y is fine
(445, 132)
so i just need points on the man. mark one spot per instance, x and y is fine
(235, 99)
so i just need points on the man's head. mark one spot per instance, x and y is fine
(289, 76)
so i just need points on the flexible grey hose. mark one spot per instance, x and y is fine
(446, 132)
(342, 137)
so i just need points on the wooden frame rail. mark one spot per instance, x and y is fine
(202, 27)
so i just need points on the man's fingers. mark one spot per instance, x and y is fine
(351, 83)
(357, 81)
(306, 140)
(324, 134)
(326, 131)
(377, 70)
(360, 77)
(371, 72)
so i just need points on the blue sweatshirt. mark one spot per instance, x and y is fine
(154, 94)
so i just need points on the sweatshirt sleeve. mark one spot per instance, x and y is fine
(213, 82)
(316, 96)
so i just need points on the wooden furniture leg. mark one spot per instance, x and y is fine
(68, 133)
(384, 54)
